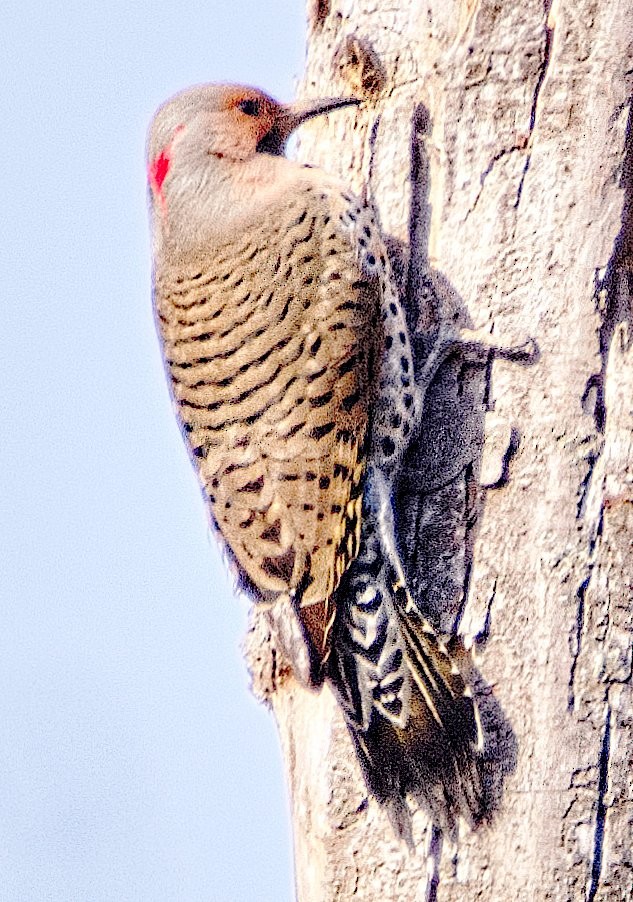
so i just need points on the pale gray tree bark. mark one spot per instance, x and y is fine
(495, 142)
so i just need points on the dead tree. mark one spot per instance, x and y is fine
(495, 141)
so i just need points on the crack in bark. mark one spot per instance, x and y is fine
(482, 637)
(547, 56)
(601, 812)
(525, 142)
(592, 459)
(614, 290)
(577, 645)
(484, 175)
(596, 533)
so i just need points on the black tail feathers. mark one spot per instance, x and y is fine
(439, 774)
(411, 716)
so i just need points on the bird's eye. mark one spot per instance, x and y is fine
(250, 107)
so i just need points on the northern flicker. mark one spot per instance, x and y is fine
(289, 363)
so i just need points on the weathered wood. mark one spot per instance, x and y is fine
(496, 144)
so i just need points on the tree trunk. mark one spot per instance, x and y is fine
(494, 144)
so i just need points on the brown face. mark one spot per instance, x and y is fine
(252, 113)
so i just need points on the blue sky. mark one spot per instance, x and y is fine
(134, 765)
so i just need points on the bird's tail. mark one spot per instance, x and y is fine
(411, 715)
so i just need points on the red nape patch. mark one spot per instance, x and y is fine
(158, 170)
(159, 167)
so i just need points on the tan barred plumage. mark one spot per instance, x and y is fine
(290, 367)
(269, 357)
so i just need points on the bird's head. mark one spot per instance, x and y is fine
(203, 125)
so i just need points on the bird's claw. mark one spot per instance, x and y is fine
(475, 346)
(479, 345)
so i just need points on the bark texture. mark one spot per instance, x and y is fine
(496, 145)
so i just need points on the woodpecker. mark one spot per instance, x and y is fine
(290, 367)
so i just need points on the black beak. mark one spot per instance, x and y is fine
(291, 117)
